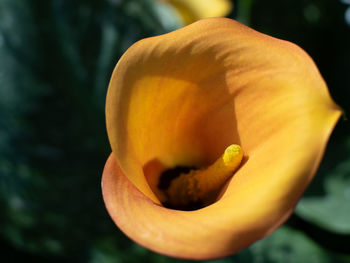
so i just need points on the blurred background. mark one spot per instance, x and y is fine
(56, 57)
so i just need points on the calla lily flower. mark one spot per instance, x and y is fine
(193, 10)
(216, 131)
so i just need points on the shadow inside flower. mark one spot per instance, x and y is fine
(160, 177)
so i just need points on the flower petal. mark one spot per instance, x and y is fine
(180, 99)
(193, 10)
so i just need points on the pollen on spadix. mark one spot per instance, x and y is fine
(199, 187)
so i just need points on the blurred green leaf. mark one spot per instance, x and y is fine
(332, 210)
(285, 245)
(289, 246)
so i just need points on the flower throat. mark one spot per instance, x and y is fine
(188, 188)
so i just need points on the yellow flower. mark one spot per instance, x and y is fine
(193, 10)
(176, 102)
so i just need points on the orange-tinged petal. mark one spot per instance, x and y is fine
(181, 99)
(193, 10)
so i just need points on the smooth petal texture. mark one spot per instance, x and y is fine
(181, 99)
(193, 10)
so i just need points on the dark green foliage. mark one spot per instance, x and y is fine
(56, 60)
